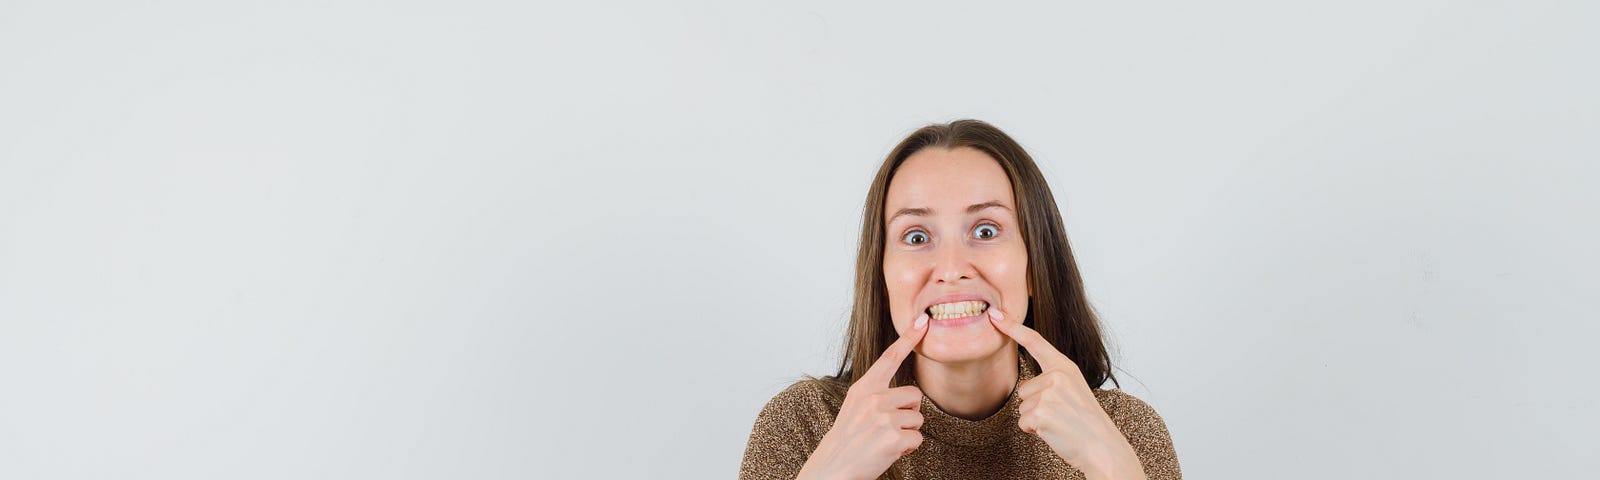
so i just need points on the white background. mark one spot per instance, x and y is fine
(505, 240)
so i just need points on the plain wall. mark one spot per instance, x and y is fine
(510, 240)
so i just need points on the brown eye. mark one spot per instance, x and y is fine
(915, 237)
(985, 232)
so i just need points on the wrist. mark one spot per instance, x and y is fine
(810, 471)
(1114, 464)
(806, 473)
(818, 471)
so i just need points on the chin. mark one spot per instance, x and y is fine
(961, 343)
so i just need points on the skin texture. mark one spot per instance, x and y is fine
(967, 370)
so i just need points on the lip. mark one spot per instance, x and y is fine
(957, 322)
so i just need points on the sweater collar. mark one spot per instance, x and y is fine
(954, 430)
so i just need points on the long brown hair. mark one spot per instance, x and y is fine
(1058, 308)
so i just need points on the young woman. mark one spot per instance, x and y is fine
(972, 351)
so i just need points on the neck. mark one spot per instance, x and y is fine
(972, 389)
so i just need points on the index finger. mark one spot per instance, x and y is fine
(1049, 358)
(882, 370)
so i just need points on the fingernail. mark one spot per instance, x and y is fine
(995, 312)
(921, 320)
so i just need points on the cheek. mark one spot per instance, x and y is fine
(1008, 270)
(902, 278)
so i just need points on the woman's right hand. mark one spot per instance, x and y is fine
(876, 424)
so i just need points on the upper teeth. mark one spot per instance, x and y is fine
(945, 311)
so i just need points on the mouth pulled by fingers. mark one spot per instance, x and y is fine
(956, 310)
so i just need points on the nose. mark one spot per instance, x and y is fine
(953, 263)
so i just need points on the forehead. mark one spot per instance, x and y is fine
(947, 181)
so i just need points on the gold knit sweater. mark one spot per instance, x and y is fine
(794, 421)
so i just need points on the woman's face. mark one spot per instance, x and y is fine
(952, 237)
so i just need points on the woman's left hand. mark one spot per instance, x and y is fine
(1059, 407)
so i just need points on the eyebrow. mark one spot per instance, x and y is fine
(923, 212)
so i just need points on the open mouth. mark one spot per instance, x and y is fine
(954, 310)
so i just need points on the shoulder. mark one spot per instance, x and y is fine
(1132, 415)
(1115, 402)
(1145, 430)
(804, 411)
(807, 400)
